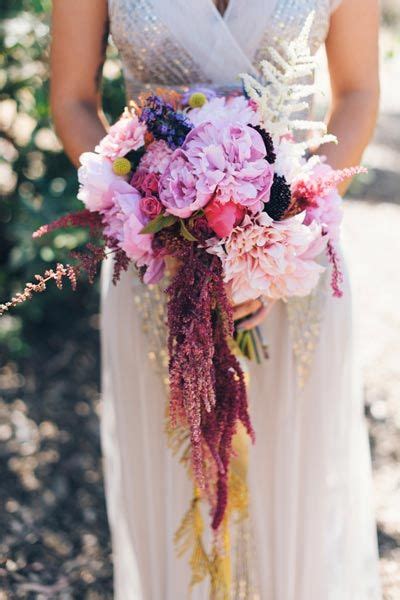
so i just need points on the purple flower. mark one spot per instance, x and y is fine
(226, 162)
(177, 187)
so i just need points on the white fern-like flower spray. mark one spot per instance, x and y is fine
(282, 92)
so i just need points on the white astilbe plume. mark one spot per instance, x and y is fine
(283, 94)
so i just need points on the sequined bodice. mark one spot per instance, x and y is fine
(177, 42)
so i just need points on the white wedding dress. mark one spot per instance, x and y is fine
(312, 533)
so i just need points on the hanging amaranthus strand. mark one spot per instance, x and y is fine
(207, 389)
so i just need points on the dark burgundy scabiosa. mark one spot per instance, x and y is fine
(207, 389)
(279, 199)
(164, 122)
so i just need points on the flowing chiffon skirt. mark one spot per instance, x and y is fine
(312, 528)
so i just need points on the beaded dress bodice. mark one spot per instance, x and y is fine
(177, 42)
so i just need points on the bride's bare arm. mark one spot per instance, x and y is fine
(79, 38)
(352, 50)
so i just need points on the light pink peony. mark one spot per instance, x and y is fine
(227, 162)
(224, 111)
(96, 177)
(124, 221)
(125, 135)
(156, 158)
(269, 258)
(177, 188)
(222, 218)
(230, 161)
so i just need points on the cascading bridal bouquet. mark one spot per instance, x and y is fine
(220, 185)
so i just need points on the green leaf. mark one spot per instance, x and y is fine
(186, 233)
(158, 223)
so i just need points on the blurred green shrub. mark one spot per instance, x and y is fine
(37, 182)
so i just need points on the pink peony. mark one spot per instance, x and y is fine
(156, 158)
(96, 177)
(222, 218)
(125, 135)
(124, 221)
(269, 258)
(227, 162)
(230, 161)
(146, 182)
(150, 206)
(177, 187)
(224, 111)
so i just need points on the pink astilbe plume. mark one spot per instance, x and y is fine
(320, 182)
(82, 218)
(316, 193)
(207, 389)
(58, 275)
(86, 262)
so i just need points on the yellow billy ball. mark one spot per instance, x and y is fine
(121, 166)
(197, 100)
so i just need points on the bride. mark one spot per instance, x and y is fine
(311, 532)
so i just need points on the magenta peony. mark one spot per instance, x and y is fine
(125, 135)
(222, 218)
(156, 158)
(96, 177)
(228, 163)
(270, 258)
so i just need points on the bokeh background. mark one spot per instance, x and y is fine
(54, 539)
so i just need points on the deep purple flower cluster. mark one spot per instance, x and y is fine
(164, 122)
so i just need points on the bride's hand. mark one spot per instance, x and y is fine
(253, 312)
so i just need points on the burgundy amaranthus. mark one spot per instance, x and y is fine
(207, 388)
(86, 261)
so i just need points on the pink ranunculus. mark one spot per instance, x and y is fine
(270, 258)
(125, 135)
(150, 206)
(96, 177)
(222, 218)
(156, 157)
(177, 187)
(146, 182)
